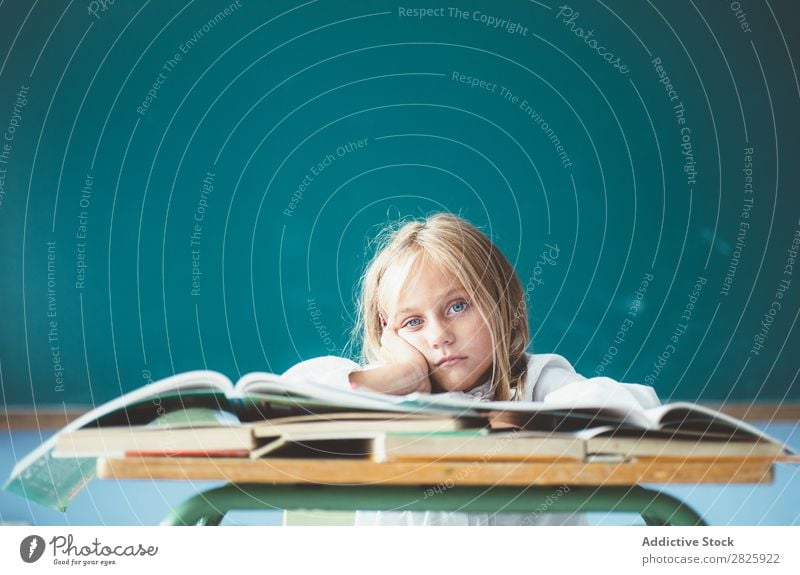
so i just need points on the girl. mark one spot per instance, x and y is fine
(443, 311)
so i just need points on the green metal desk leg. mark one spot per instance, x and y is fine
(211, 520)
(662, 509)
(656, 508)
(209, 508)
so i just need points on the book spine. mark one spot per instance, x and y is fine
(188, 453)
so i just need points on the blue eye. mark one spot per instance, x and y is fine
(461, 303)
(458, 307)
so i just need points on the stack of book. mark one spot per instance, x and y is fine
(396, 436)
(203, 414)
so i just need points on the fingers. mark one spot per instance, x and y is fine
(389, 331)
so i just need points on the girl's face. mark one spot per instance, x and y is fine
(437, 317)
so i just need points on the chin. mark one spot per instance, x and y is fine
(446, 386)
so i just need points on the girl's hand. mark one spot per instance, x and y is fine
(396, 350)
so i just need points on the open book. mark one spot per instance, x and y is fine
(680, 420)
(53, 482)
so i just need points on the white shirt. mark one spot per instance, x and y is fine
(550, 378)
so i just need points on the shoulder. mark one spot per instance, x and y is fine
(539, 361)
(552, 377)
(547, 372)
(321, 363)
(543, 366)
(328, 369)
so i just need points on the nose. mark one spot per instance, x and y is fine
(439, 333)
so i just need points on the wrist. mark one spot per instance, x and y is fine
(394, 378)
(418, 373)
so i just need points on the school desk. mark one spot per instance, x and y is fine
(479, 486)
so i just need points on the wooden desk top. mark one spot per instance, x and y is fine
(365, 472)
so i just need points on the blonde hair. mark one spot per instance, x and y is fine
(460, 249)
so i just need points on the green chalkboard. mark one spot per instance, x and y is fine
(194, 185)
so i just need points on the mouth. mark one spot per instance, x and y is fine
(451, 360)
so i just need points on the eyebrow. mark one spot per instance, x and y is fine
(445, 296)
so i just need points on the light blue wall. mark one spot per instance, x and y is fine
(107, 502)
(774, 504)
(146, 502)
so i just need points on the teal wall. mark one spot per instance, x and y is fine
(629, 215)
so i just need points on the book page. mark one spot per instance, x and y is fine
(256, 383)
(608, 412)
(675, 415)
(56, 490)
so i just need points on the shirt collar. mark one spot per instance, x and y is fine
(482, 392)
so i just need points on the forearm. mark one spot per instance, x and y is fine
(394, 378)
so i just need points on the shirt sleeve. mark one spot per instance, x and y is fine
(558, 382)
(329, 370)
